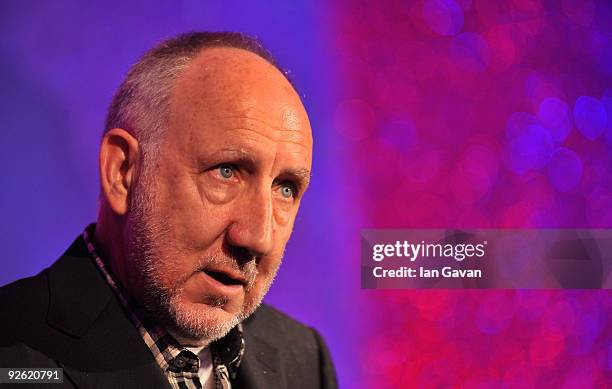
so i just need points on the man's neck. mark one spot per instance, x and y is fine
(188, 342)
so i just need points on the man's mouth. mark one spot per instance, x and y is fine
(225, 277)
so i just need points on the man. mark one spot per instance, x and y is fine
(204, 160)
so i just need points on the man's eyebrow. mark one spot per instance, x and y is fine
(300, 175)
(235, 153)
(235, 156)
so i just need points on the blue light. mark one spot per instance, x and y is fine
(565, 169)
(554, 114)
(518, 121)
(606, 100)
(399, 133)
(529, 149)
(590, 117)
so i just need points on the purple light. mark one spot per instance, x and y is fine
(470, 51)
(496, 311)
(554, 114)
(530, 148)
(521, 249)
(599, 207)
(584, 336)
(423, 163)
(475, 174)
(517, 122)
(590, 117)
(444, 17)
(354, 119)
(604, 56)
(580, 12)
(564, 169)
(610, 355)
(502, 41)
(606, 100)
(399, 133)
(532, 303)
(438, 373)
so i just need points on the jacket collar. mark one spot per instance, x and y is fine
(78, 293)
(261, 369)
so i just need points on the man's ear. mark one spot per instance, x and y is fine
(118, 160)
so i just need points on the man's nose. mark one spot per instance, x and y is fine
(253, 227)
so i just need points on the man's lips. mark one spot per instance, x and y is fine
(225, 276)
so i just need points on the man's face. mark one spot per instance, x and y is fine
(208, 222)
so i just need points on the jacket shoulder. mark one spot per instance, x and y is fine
(24, 302)
(282, 331)
(23, 310)
(268, 319)
(297, 349)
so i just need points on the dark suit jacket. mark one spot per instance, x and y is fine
(68, 317)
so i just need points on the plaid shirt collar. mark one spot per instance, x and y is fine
(178, 363)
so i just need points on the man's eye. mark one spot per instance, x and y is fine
(287, 191)
(226, 171)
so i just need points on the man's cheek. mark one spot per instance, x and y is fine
(268, 266)
(198, 225)
(284, 217)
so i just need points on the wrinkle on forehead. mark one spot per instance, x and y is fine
(276, 141)
(286, 132)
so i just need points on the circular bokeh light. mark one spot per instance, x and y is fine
(530, 148)
(590, 117)
(444, 17)
(565, 169)
(555, 115)
(470, 52)
(475, 173)
(496, 311)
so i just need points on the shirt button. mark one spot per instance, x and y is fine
(180, 362)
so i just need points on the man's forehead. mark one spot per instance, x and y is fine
(233, 83)
(253, 124)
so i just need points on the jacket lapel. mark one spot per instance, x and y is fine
(260, 367)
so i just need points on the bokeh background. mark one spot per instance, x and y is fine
(480, 114)
(427, 113)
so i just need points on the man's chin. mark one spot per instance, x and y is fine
(200, 323)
